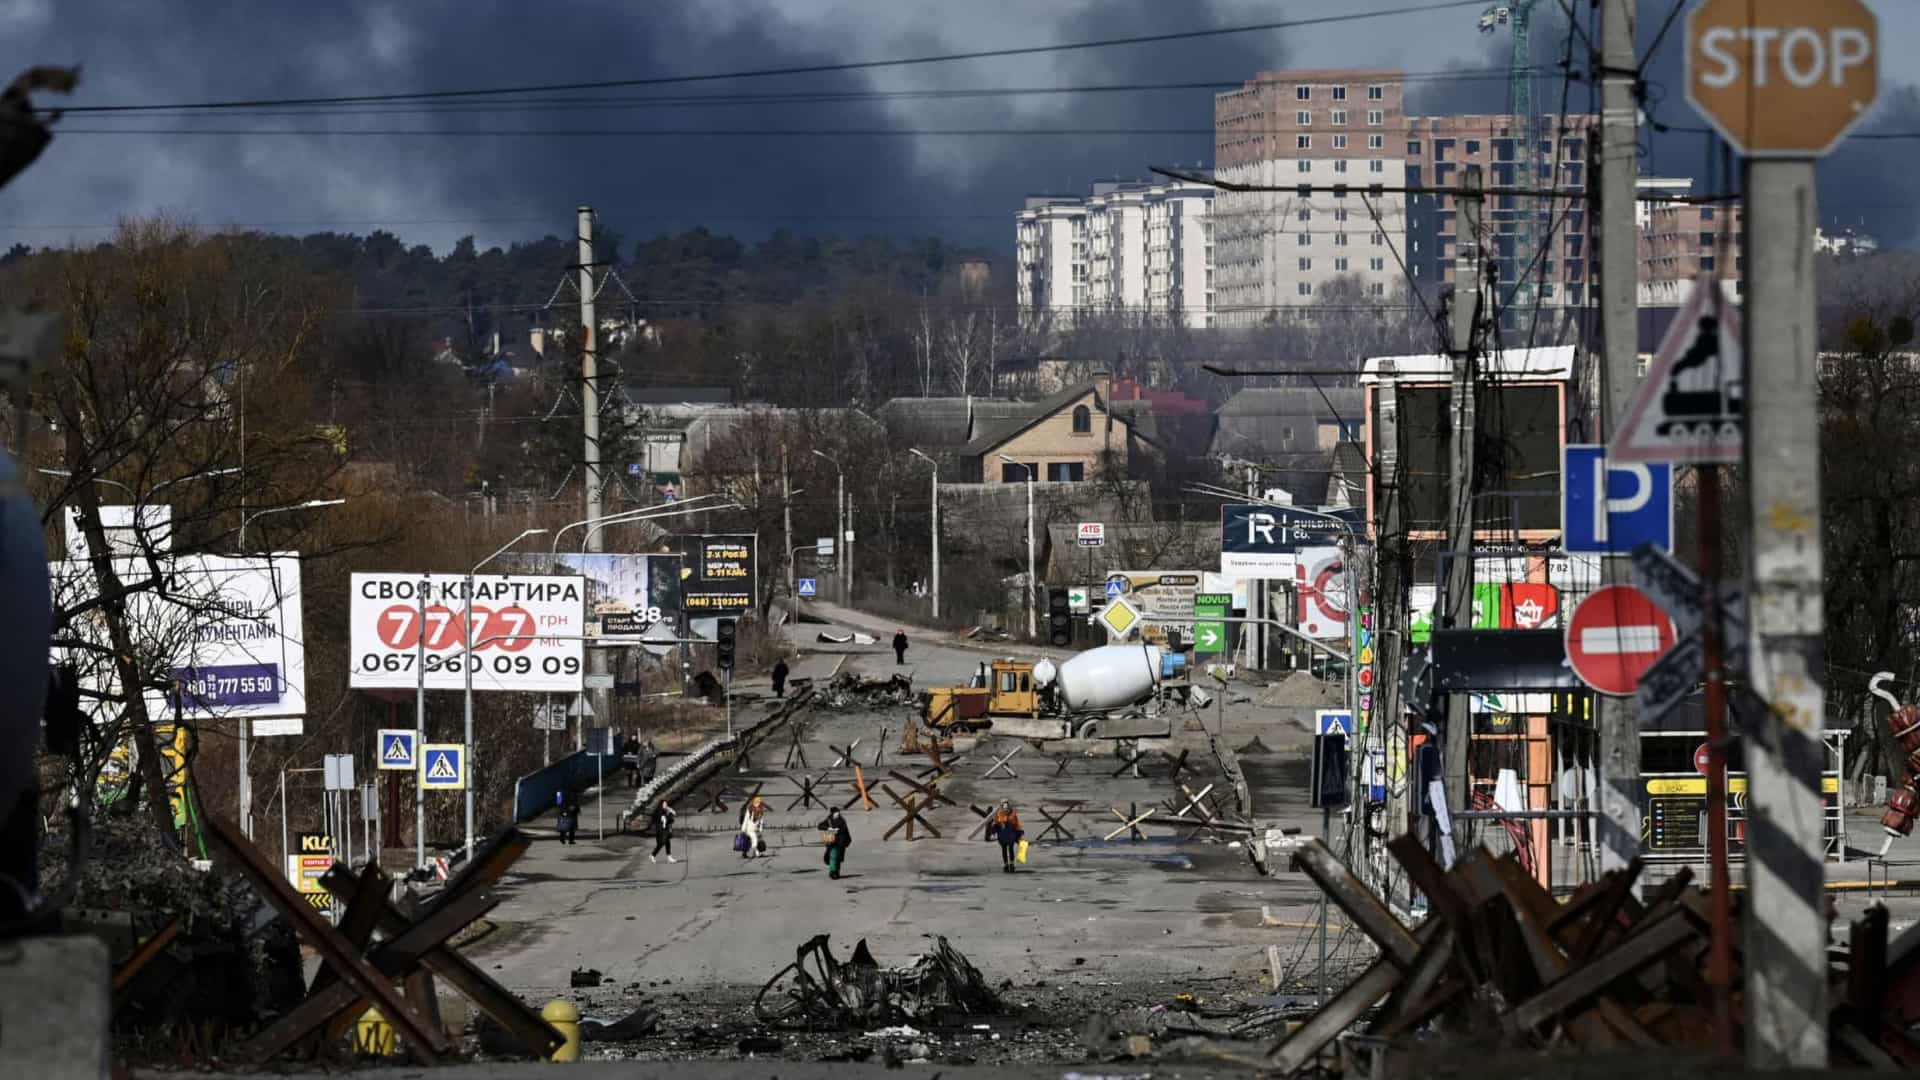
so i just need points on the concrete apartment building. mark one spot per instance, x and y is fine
(1555, 259)
(1127, 246)
(1280, 250)
(1681, 241)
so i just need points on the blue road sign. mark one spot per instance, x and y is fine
(1114, 589)
(395, 749)
(809, 587)
(443, 766)
(1333, 722)
(1610, 508)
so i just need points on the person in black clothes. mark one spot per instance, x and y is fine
(569, 821)
(780, 677)
(630, 756)
(836, 823)
(899, 647)
(662, 832)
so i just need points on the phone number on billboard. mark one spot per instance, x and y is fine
(503, 665)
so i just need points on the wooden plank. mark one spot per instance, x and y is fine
(424, 1042)
(1294, 1052)
(1413, 1002)
(1362, 907)
(464, 976)
(131, 967)
(1646, 946)
(393, 959)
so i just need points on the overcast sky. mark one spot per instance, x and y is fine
(435, 188)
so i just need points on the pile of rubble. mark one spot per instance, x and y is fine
(220, 957)
(1502, 965)
(817, 991)
(850, 692)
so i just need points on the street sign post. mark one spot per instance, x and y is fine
(443, 767)
(1119, 617)
(1782, 81)
(1610, 509)
(1210, 637)
(1689, 410)
(1783, 78)
(1614, 636)
(396, 750)
(338, 771)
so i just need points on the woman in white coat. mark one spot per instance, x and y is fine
(753, 819)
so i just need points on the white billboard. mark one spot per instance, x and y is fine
(227, 630)
(130, 531)
(511, 618)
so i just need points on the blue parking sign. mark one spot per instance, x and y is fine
(1610, 508)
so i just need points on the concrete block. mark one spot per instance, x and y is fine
(54, 1008)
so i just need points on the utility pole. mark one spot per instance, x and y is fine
(419, 730)
(599, 699)
(1617, 250)
(840, 534)
(1388, 725)
(1787, 928)
(1468, 260)
(786, 512)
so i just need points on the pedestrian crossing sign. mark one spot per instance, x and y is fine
(1115, 588)
(395, 749)
(443, 766)
(809, 586)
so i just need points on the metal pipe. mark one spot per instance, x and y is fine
(467, 665)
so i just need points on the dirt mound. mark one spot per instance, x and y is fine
(1301, 691)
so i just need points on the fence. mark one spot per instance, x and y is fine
(534, 793)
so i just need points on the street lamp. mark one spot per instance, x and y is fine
(1031, 579)
(466, 631)
(840, 516)
(140, 525)
(245, 797)
(310, 504)
(936, 529)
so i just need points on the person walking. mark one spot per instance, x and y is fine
(567, 823)
(899, 647)
(662, 832)
(780, 677)
(1004, 827)
(753, 820)
(837, 845)
(630, 757)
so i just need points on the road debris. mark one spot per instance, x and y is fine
(818, 991)
(851, 691)
(854, 638)
(1505, 964)
(584, 977)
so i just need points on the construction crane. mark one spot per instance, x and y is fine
(1517, 18)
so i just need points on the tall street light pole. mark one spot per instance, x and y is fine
(842, 557)
(466, 632)
(1032, 581)
(243, 744)
(936, 530)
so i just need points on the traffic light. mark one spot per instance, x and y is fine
(1059, 619)
(723, 639)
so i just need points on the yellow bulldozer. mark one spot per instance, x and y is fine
(1003, 689)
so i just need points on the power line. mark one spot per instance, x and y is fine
(800, 69)
(797, 97)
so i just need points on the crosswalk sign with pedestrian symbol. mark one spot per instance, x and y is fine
(443, 766)
(394, 749)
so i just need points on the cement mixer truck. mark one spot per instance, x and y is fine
(1112, 692)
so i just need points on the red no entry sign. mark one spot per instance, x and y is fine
(1615, 635)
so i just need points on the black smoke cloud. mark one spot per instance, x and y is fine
(435, 189)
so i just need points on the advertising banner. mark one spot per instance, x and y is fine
(1322, 593)
(509, 614)
(718, 575)
(227, 629)
(627, 597)
(1164, 600)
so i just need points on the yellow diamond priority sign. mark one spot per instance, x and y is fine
(1119, 617)
(1783, 78)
